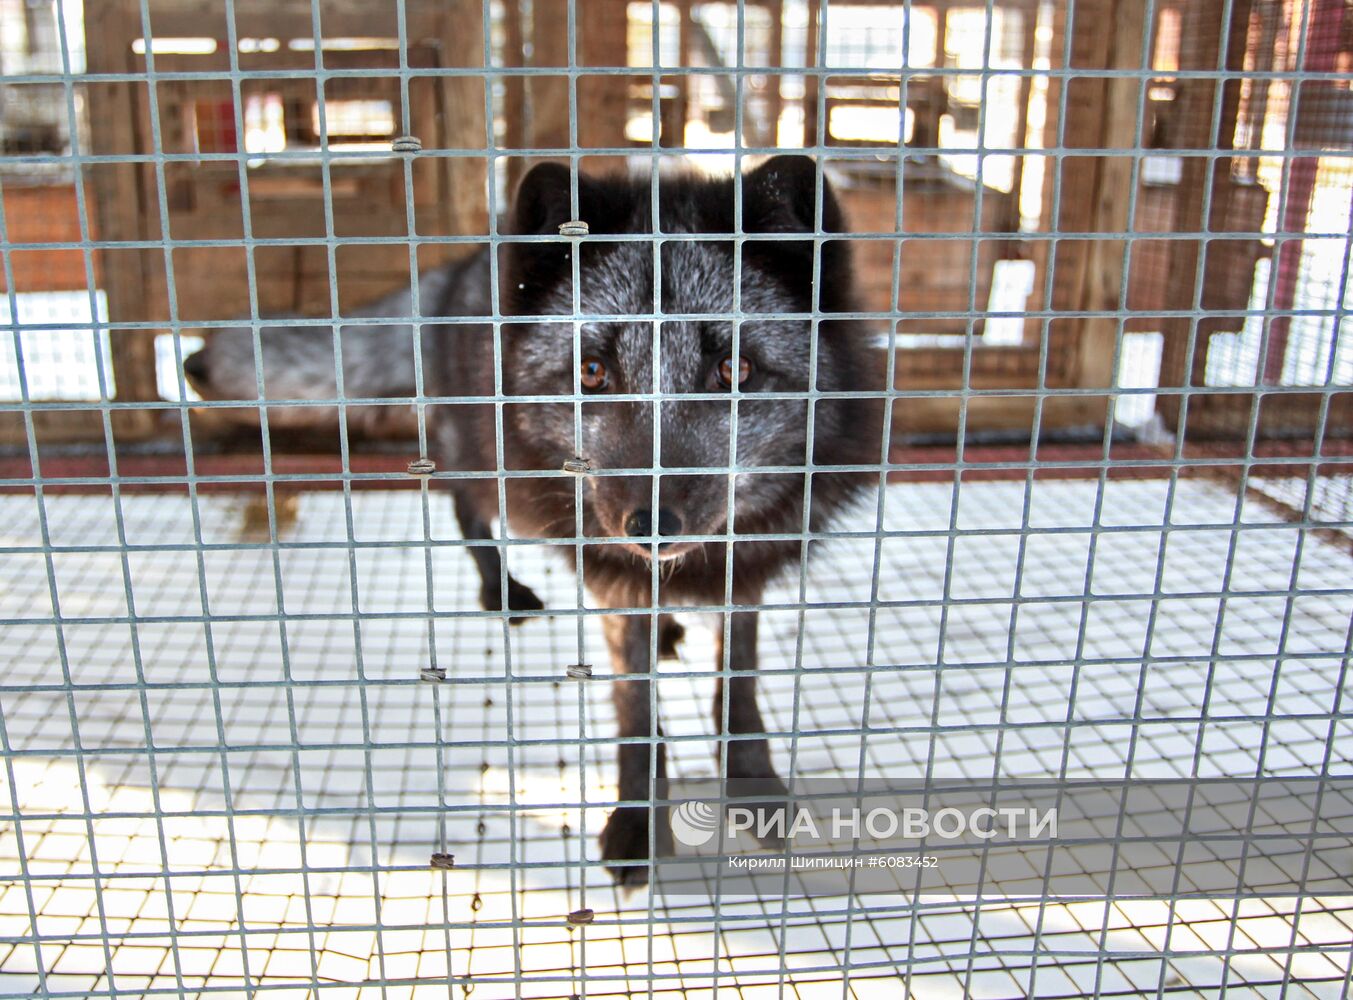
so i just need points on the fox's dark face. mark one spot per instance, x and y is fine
(694, 357)
(673, 345)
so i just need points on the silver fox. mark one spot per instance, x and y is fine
(702, 285)
(678, 292)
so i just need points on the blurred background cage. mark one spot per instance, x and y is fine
(1105, 250)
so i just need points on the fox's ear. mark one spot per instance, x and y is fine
(781, 196)
(541, 206)
(542, 202)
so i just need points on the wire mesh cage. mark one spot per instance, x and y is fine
(415, 415)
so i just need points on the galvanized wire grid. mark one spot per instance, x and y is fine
(227, 768)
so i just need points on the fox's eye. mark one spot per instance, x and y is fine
(734, 371)
(593, 375)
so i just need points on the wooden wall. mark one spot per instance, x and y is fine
(287, 199)
(45, 213)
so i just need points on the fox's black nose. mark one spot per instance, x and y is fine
(195, 366)
(640, 522)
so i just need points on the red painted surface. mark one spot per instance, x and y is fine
(1324, 41)
(45, 213)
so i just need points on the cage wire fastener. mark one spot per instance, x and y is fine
(579, 671)
(577, 466)
(422, 467)
(432, 674)
(579, 917)
(407, 144)
(445, 862)
(574, 227)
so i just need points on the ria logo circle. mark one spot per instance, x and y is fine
(694, 823)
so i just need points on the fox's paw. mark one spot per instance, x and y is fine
(768, 798)
(670, 633)
(772, 820)
(625, 838)
(519, 598)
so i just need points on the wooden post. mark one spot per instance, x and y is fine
(1269, 16)
(121, 209)
(681, 107)
(548, 95)
(774, 100)
(1103, 278)
(1095, 191)
(603, 101)
(812, 84)
(1029, 24)
(1202, 34)
(462, 40)
(514, 89)
(1041, 250)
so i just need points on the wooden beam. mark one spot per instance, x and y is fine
(1029, 23)
(811, 83)
(65, 427)
(462, 39)
(1092, 365)
(603, 100)
(1041, 250)
(774, 99)
(682, 104)
(1202, 34)
(120, 210)
(548, 95)
(1099, 113)
(514, 89)
(288, 19)
(938, 415)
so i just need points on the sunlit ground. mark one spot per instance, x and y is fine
(237, 854)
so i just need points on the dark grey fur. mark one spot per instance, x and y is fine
(535, 279)
(538, 359)
(298, 363)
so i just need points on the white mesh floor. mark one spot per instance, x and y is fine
(259, 860)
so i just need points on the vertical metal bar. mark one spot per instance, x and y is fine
(885, 451)
(354, 592)
(1199, 276)
(655, 323)
(1044, 340)
(579, 590)
(500, 461)
(25, 873)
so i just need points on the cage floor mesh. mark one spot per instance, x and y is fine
(270, 829)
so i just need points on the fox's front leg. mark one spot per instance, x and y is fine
(626, 834)
(474, 507)
(750, 771)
